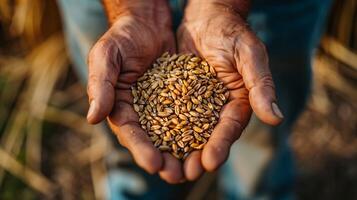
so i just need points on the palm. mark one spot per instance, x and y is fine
(220, 49)
(129, 47)
(136, 57)
(116, 61)
(234, 51)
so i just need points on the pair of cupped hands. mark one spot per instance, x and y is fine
(140, 32)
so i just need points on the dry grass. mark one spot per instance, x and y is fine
(325, 137)
(35, 81)
(332, 107)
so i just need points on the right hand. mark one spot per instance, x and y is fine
(216, 30)
(123, 54)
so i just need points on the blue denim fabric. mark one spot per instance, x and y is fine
(291, 29)
(84, 22)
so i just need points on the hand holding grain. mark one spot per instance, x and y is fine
(116, 61)
(217, 33)
(140, 33)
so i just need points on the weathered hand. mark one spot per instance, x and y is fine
(140, 32)
(219, 34)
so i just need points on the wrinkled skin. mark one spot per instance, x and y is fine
(133, 42)
(115, 62)
(221, 36)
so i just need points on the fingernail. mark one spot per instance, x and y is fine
(276, 110)
(91, 109)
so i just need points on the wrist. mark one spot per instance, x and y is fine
(240, 7)
(146, 10)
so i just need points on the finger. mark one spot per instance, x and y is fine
(192, 166)
(103, 68)
(234, 117)
(144, 153)
(252, 62)
(172, 171)
(124, 122)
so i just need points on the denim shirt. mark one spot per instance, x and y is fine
(177, 7)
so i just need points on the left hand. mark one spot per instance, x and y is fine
(220, 35)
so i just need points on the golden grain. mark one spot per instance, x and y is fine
(178, 102)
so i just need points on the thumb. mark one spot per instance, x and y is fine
(103, 67)
(254, 68)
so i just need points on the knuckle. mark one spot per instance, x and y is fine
(92, 80)
(260, 52)
(260, 45)
(260, 48)
(122, 141)
(96, 48)
(267, 80)
(99, 48)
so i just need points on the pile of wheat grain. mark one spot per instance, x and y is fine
(178, 102)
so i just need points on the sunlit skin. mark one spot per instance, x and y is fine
(135, 39)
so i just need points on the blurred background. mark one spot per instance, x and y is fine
(47, 149)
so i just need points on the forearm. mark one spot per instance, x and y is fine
(241, 7)
(145, 9)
